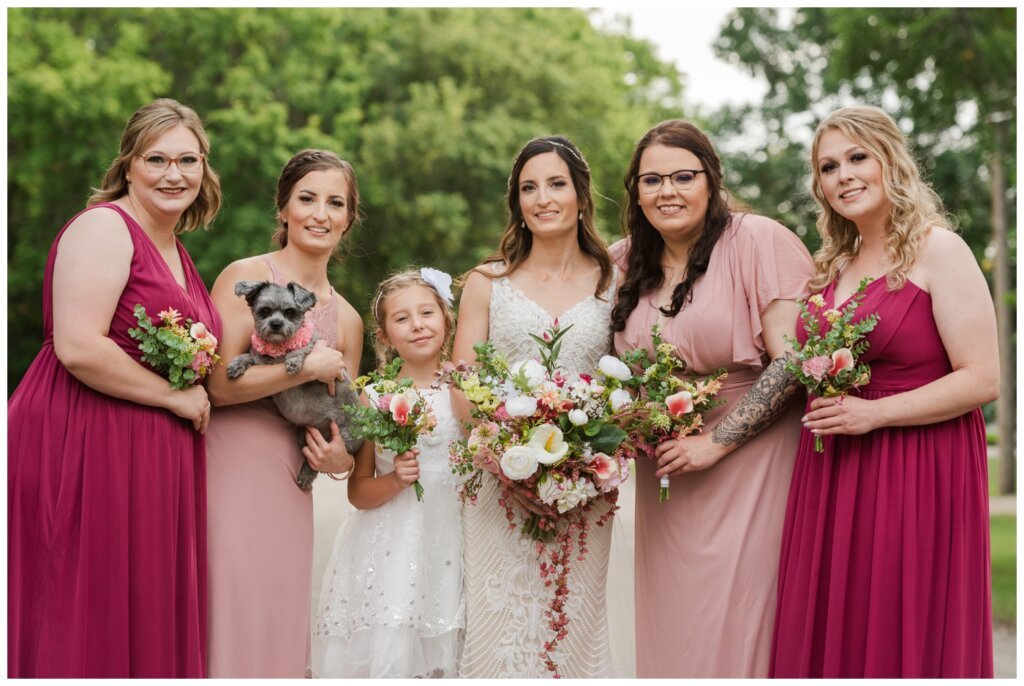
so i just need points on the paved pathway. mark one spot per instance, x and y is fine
(330, 504)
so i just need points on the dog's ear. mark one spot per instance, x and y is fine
(303, 298)
(250, 289)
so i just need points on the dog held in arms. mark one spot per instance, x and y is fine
(283, 335)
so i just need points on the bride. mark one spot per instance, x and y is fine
(551, 265)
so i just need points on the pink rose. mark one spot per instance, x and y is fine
(484, 459)
(399, 409)
(680, 403)
(817, 367)
(841, 359)
(384, 402)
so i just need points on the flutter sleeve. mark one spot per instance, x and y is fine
(772, 264)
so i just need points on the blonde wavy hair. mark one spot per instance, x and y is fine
(915, 206)
(397, 282)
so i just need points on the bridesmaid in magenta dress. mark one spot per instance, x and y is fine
(106, 509)
(884, 568)
(261, 523)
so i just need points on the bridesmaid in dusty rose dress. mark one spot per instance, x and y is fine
(261, 523)
(106, 502)
(723, 286)
(885, 556)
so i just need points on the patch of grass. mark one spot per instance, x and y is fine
(1004, 568)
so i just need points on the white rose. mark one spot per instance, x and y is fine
(521, 406)
(614, 368)
(619, 398)
(578, 417)
(519, 462)
(533, 370)
(547, 441)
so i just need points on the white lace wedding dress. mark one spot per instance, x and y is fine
(505, 597)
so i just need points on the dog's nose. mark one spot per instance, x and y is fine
(276, 325)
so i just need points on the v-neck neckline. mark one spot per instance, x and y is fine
(540, 307)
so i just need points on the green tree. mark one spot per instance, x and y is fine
(430, 105)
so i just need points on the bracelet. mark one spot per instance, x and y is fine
(335, 477)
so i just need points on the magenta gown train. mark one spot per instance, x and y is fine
(106, 507)
(884, 568)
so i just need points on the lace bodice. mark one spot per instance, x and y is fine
(513, 317)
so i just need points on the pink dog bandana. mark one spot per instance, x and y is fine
(299, 340)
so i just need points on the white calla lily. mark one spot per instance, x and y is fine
(549, 443)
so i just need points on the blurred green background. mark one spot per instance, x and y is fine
(430, 105)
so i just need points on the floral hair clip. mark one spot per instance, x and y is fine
(440, 281)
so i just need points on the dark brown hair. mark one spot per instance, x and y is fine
(298, 166)
(646, 245)
(517, 241)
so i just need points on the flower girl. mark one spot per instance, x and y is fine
(391, 604)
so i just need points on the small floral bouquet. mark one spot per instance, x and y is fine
(827, 363)
(395, 415)
(668, 405)
(184, 353)
(549, 439)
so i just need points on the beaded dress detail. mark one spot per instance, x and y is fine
(505, 596)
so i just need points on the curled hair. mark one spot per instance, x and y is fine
(915, 206)
(397, 282)
(646, 245)
(517, 240)
(148, 123)
(295, 170)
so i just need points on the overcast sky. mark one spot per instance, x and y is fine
(684, 36)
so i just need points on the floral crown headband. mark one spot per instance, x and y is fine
(435, 278)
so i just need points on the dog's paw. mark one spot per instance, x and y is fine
(305, 477)
(239, 365)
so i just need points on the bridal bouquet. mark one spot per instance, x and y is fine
(668, 405)
(826, 364)
(548, 440)
(184, 353)
(395, 415)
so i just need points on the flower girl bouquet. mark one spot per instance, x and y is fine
(183, 353)
(395, 415)
(826, 364)
(668, 405)
(548, 440)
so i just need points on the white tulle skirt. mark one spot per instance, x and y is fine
(391, 604)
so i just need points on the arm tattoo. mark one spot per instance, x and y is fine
(756, 410)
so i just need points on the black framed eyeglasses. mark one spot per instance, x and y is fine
(682, 179)
(187, 163)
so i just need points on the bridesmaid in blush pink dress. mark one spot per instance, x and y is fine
(106, 498)
(723, 287)
(885, 557)
(261, 523)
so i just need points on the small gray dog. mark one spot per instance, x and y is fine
(279, 314)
